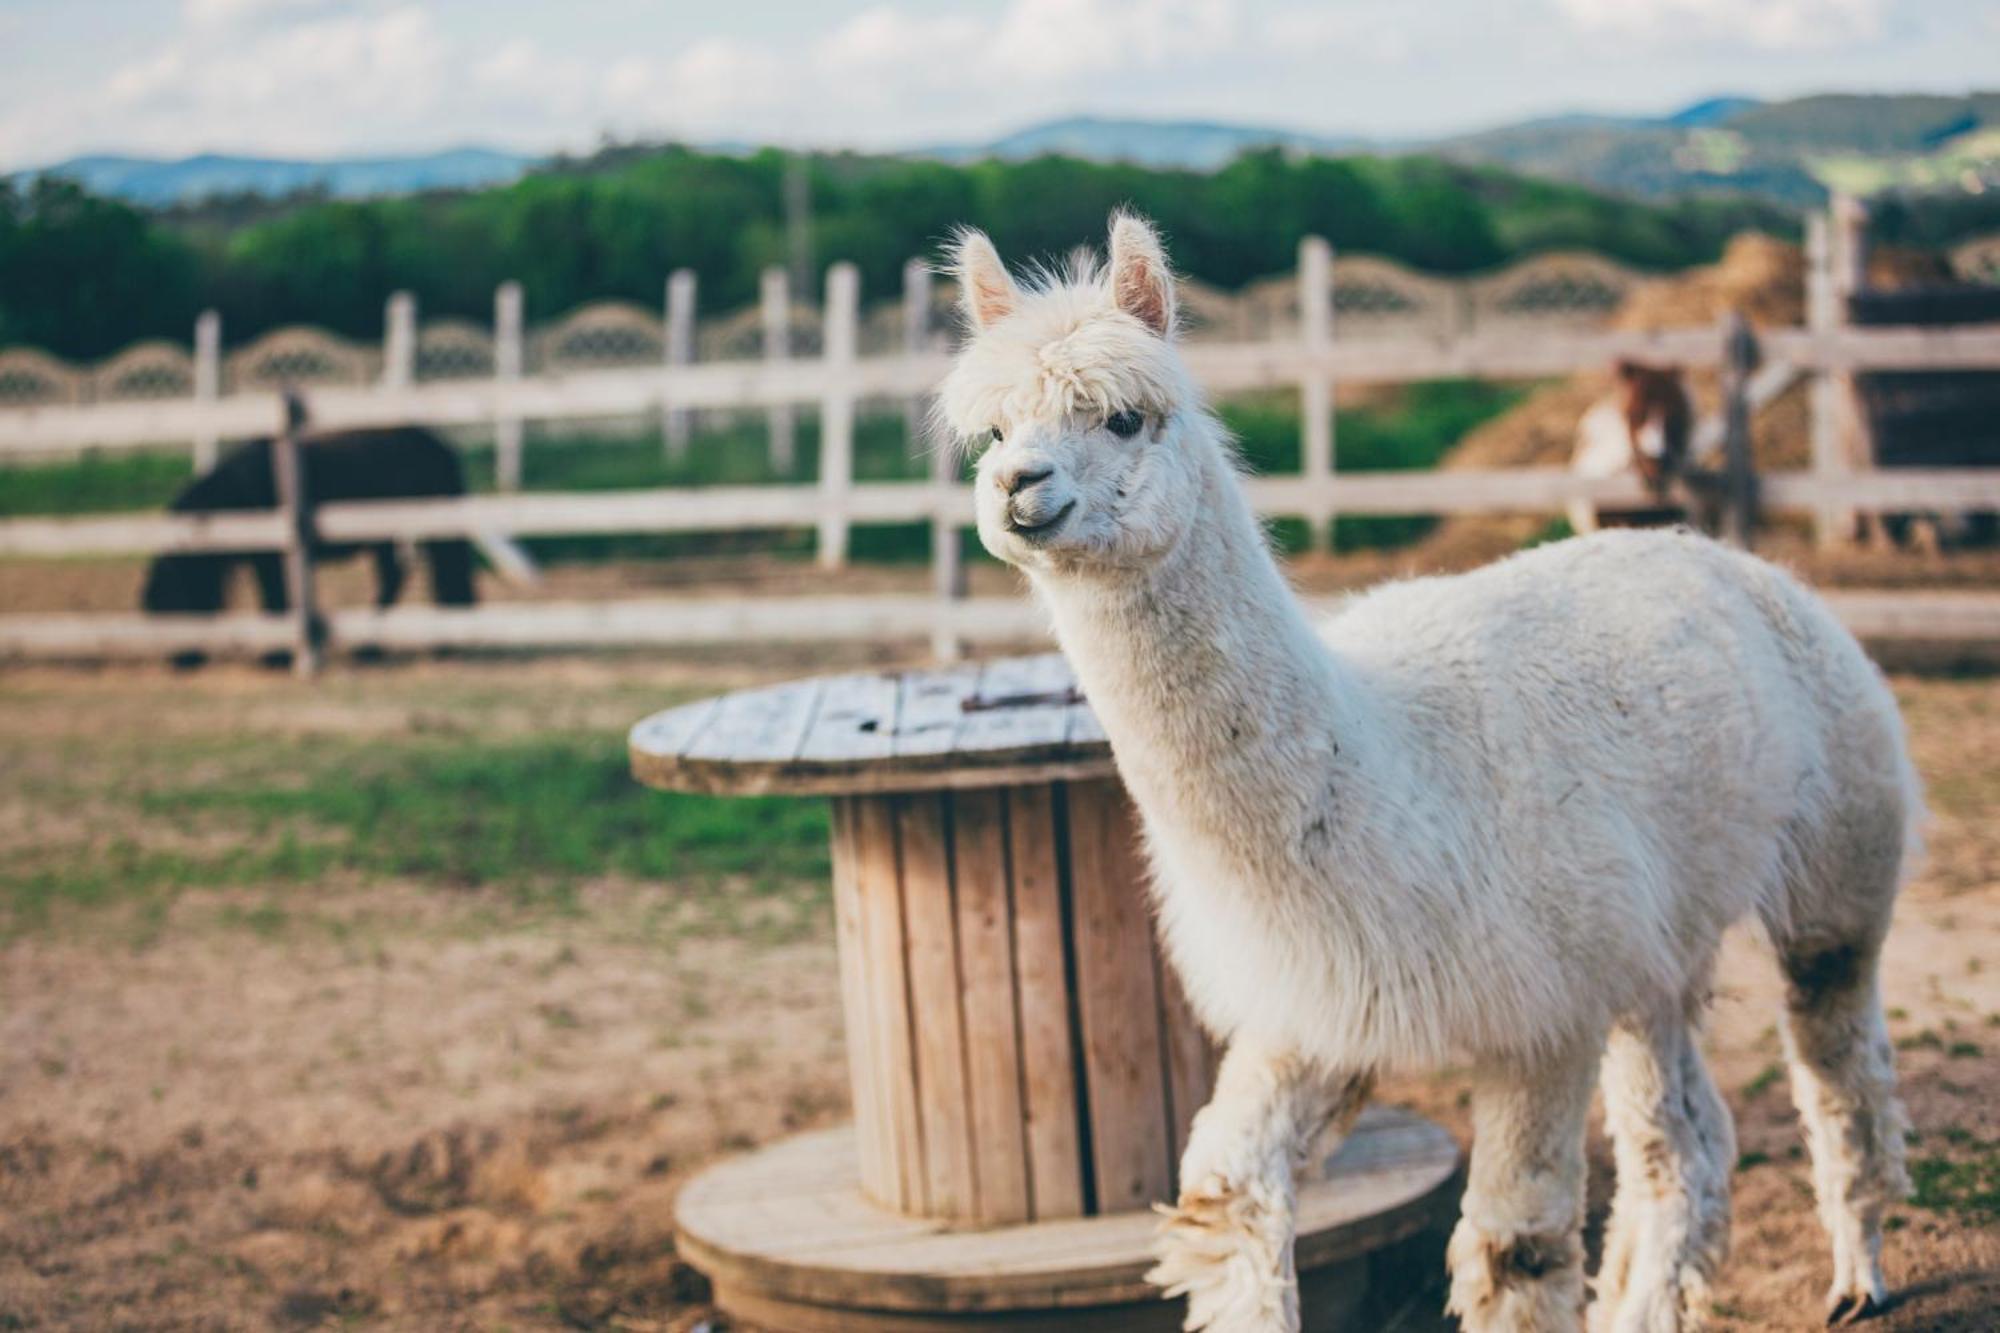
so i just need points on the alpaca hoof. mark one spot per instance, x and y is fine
(1852, 1307)
(1225, 1253)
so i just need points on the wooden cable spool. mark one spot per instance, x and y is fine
(1024, 1066)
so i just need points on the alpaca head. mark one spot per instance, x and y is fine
(1098, 438)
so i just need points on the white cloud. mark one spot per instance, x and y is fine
(324, 76)
(243, 13)
(1769, 24)
(1051, 40)
(885, 39)
(311, 82)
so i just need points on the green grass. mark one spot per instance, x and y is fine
(94, 484)
(1968, 1184)
(533, 816)
(1415, 430)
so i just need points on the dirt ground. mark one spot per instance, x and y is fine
(414, 1109)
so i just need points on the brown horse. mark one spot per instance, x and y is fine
(1646, 427)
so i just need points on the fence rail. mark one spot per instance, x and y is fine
(1904, 615)
(1392, 326)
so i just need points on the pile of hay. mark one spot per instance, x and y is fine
(1760, 275)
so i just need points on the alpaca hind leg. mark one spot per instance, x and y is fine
(1227, 1243)
(1675, 1147)
(1516, 1255)
(1844, 1083)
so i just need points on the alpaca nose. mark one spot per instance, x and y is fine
(1020, 477)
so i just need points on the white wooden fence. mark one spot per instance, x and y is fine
(1390, 330)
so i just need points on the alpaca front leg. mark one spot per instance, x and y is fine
(1516, 1255)
(1227, 1243)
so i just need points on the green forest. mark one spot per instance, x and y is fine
(82, 276)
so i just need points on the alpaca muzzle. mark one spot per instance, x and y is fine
(1038, 515)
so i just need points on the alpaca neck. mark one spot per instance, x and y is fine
(1214, 689)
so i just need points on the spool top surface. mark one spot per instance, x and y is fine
(1007, 722)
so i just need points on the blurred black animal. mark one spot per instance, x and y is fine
(395, 463)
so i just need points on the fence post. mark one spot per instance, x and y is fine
(916, 341)
(947, 565)
(1316, 386)
(1832, 524)
(399, 341)
(508, 362)
(1739, 497)
(774, 305)
(680, 352)
(1849, 263)
(836, 412)
(207, 384)
(295, 503)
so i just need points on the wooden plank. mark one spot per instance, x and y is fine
(1003, 716)
(64, 636)
(1118, 1001)
(892, 1053)
(260, 530)
(1412, 491)
(836, 411)
(804, 1241)
(1052, 1128)
(1081, 729)
(748, 1308)
(761, 725)
(936, 1007)
(876, 1148)
(668, 733)
(1900, 488)
(930, 710)
(856, 721)
(1931, 613)
(1189, 1059)
(1894, 614)
(1220, 366)
(991, 1007)
(1852, 350)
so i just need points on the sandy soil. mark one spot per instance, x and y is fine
(429, 1111)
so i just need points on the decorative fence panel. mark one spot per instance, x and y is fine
(29, 378)
(1371, 298)
(604, 333)
(299, 356)
(146, 370)
(455, 349)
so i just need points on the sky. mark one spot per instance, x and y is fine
(315, 78)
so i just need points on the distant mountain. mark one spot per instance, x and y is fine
(1191, 144)
(1788, 152)
(157, 182)
(1709, 111)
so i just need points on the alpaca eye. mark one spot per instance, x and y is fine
(997, 436)
(1124, 424)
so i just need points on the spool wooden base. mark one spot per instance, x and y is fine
(793, 1246)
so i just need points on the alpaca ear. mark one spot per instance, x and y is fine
(986, 291)
(1141, 282)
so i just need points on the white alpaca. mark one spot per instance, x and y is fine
(1498, 820)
